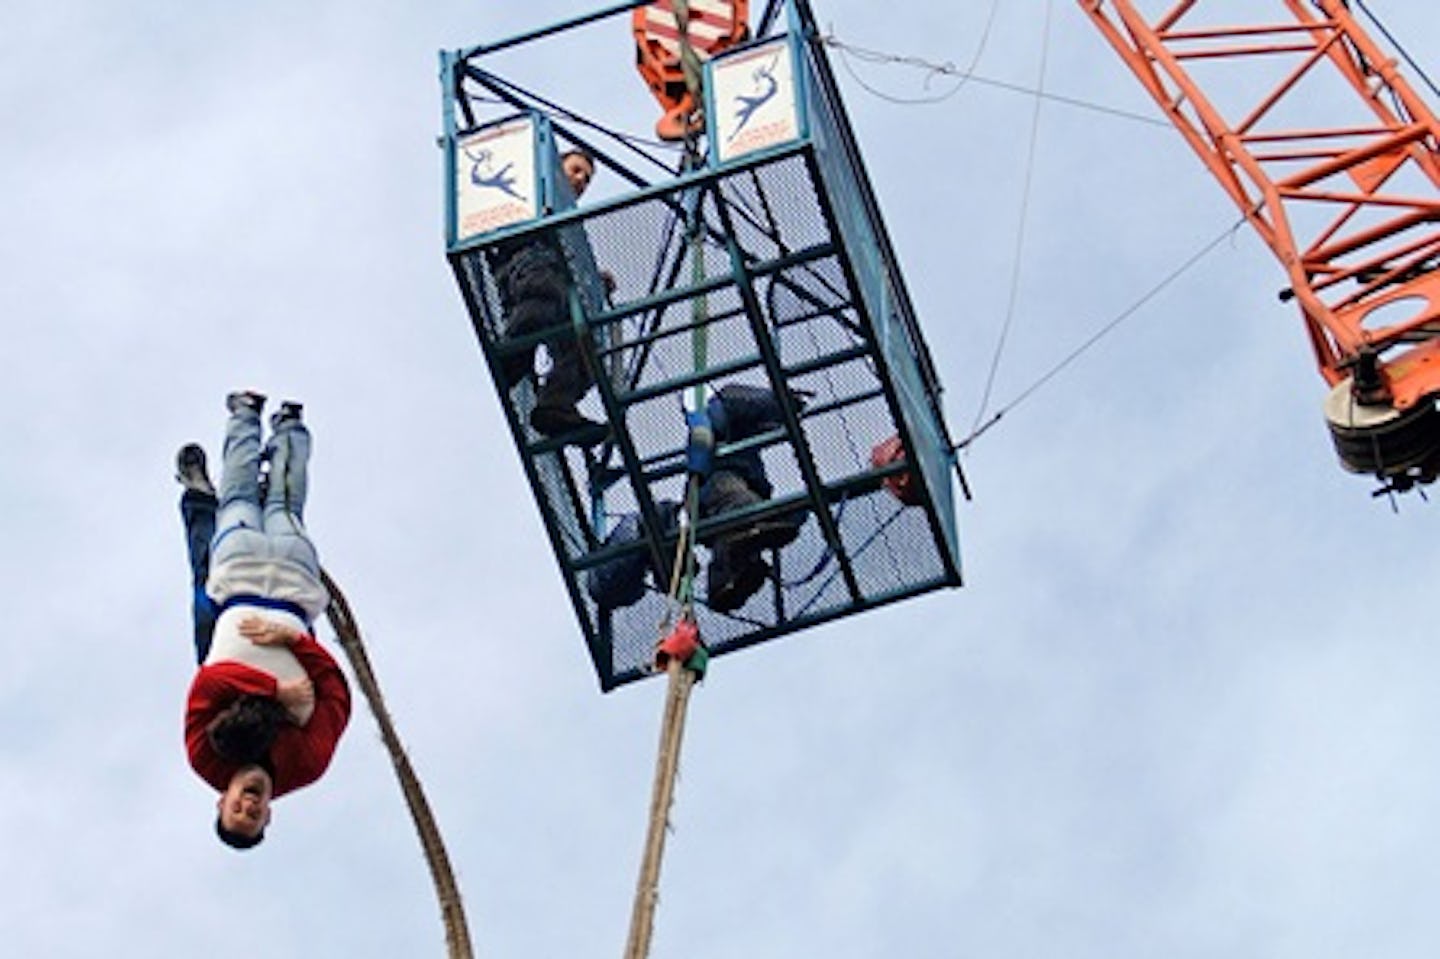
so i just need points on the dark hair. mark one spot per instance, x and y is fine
(245, 730)
(237, 840)
(581, 152)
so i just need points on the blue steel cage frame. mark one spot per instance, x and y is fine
(831, 157)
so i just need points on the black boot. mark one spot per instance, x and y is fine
(733, 576)
(557, 422)
(289, 412)
(190, 469)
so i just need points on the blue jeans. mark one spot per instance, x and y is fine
(272, 530)
(198, 511)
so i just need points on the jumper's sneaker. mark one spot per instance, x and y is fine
(289, 412)
(190, 469)
(245, 399)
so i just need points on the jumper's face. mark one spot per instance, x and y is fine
(245, 804)
(578, 170)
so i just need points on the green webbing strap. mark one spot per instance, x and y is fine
(699, 337)
(683, 582)
(699, 350)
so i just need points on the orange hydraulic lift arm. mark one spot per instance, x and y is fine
(1335, 160)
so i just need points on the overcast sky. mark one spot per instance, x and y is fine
(1183, 707)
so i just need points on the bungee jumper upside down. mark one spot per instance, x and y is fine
(268, 705)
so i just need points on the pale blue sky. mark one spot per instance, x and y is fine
(1183, 707)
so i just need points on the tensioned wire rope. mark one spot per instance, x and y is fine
(1094, 338)
(1040, 95)
(1017, 262)
(1399, 47)
(945, 69)
(849, 50)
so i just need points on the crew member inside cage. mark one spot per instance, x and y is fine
(534, 284)
(738, 568)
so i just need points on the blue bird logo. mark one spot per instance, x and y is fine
(765, 89)
(483, 176)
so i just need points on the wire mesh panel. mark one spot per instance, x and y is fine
(762, 291)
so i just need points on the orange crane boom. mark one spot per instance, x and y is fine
(1331, 156)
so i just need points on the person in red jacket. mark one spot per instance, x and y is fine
(268, 705)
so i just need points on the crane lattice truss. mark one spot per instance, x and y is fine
(1332, 157)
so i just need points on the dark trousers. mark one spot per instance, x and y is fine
(198, 512)
(535, 291)
(737, 570)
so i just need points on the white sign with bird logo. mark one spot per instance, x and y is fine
(495, 183)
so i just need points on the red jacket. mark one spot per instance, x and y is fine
(300, 754)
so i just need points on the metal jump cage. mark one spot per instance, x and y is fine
(764, 262)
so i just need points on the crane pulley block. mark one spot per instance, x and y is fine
(1313, 131)
(666, 32)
